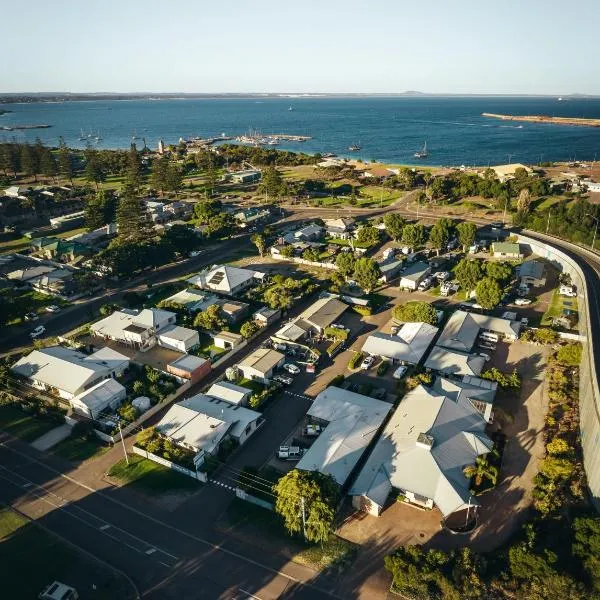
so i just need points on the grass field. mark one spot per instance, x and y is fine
(21, 243)
(149, 476)
(21, 425)
(557, 304)
(32, 558)
(79, 449)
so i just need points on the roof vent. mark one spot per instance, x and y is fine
(425, 441)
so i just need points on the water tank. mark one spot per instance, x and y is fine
(142, 403)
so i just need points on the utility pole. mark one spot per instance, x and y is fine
(505, 207)
(123, 442)
(548, 223)
(303, 518)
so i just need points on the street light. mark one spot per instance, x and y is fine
(595, 230)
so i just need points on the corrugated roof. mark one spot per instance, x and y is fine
(188, 362)
(99, 396)
(263, 360)
(175, 332)
(452, 362)
(324, 312)
(409, 344)
(225, 390)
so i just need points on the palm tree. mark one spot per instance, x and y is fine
(482, 470)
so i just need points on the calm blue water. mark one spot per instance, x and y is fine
(388, 129)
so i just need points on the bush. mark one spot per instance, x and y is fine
(337, 381)
(335, 332)
(540, 336)
(384, 365)
(415, 312)
(569, 355)
(505, 381)
(364, 311)
(355, 360)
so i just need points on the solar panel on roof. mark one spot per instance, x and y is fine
(217, 278)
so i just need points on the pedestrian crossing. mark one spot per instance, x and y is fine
(297, 395)
(231, 488)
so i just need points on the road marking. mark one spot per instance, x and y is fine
(250, 595)
(151, 551)
(297, 395)
(104, 527)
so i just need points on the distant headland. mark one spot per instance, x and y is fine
(581, 122)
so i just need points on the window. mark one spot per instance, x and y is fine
(248, 429)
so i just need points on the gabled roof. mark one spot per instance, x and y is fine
(506, 247)
(471, 392)
(176, 332)
(409, 344)
(99, 396)
(224, 278)
(262, 359)
(415, 271)
(225, 390)
(455, 437)
(152, 317)
(342, 224)
(453, 362)
(293, 331)
(532, 268)
(188, 362)
(324, 312)
(353, 421)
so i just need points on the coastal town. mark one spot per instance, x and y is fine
(301, 368)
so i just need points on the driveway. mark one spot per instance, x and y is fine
(53, 437)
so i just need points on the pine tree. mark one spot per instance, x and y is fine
(28, 161)
(93, 168)
(131, 218)
(48, 164)
(158, 177)
(134, 168)
(94, 211)
(65, 160)
(173, 178)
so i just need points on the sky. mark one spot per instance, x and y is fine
(307, 46)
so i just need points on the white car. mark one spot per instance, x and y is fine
(367, 363)
(312, 430)
(53, 308)
(290, 452)
(522, 301)
(283, 379)
(39, 330)
(291, 368)
(485, 356)
(400, 372)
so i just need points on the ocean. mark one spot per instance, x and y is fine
(388, 129)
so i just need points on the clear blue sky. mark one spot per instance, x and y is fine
(368, 46)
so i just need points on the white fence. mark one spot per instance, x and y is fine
(310, 263)
(171, 465)
(253, 499)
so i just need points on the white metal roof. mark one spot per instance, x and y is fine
(99, 396)
(292, 332)
(455, 436)
(324, 312)
(452, 362)
(176, 332)
(192, 300)
(225, 390)
(152, 317)
(224, 278)
(188, 362)
(353, 421)
(409, 344)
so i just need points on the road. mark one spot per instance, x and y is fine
(164, 560)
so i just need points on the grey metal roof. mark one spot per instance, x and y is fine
(324, 312)
(415, 271)
(532, 268)
(457, 434)
(452, 362)
(409, 344)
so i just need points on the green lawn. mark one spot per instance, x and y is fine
(255, 386)
(79, 449)
(21, 425)
(207, 348)
(32, 558)
(556, 307)
(149, 476)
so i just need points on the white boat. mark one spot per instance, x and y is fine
(354, 147)
(291, 108)
(423, 152)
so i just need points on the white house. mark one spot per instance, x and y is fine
(422, 453)
(227, 280)
(227, 339)
(473, 392)
(533, 273)
(350, 422)
(229, 392)
(339, 228)
(261, 364)
(413, 275)
(178, 338)
(68, 373)
(452, 362)
(108, 394)
(407, 347)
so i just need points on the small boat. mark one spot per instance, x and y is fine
(423, 152)
(354, 147)
(291, 108)
(560, 99)
(82, 135)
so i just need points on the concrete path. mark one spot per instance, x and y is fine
(50, 439)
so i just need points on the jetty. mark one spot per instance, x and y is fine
(579, 121)
(15, 127)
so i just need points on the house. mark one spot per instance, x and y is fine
(339, 228)
(133, 328)
(389, 269)
(189, 368)
(506, 250)
(413, 275)
(229, 392)
(471, 391)
(350, 421)
(202, 423)
(261, 364)
(191, 300)
(226, 279)
(463, 328)
(251, 216)
(106, 395)
(422, 454)
(66, 372)
(310, 233)
(533, 273)
(323, 313)
(178, 338)
(60, 282)
(452, 362)
(592, 186)
(233, 310)
(227, 339)
(266, 316)
(294, 331)
(26, 273)
(17, 191)
(56, 248)
(248, 176)
(69, 221)
(407, 347)
(506, 172)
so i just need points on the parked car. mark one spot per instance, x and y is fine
(522, 301)
(31, 316)
(312, 430)
(567, 290)
(443, 276)
(284, 379)
(367, 363)
(485, 356)
(39, 330)
(291, 368)
(486, 345)
(525, 322)
(195, 253)
(280, 347)
(400, 372)
(425, 284)
(290, 452)
(52, 308)
(497, 224)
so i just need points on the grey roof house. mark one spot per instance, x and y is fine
(452, 362)
(407, 346)
(413, 275)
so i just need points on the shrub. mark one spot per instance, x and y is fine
(355, 360)
(337, 380)
(384, 365)
(569, 355)
(414, 312)
(364, 311)
(335, 332)
(128, 412)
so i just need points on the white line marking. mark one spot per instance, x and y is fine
(151, 551)
(104, 527)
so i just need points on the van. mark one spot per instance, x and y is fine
(567, 290)
(488, 336)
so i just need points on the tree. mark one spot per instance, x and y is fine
(65, 160)
(249, 328)
(586, 547)
(524, 201)
(394, 224)
(481, 470)
(500, 271)
(311, 254)
(206, 209)
(366, 274)
(179, 239)
(259, 241)
(29, 162)
(158, 175)
(93, 168)
(488, 293)
(415, 312)
(368, 236)
(272, 183)
(132, 219)
(468, 272)
(133, 175)
(210, 319)
(48, 165)
(173, 178)
(94, 211)
(345, 263)
(278, 296)
(440, 234)
(287, 251)
(466, 234)
(310, 494)
(413, 235)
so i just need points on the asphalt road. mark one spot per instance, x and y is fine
(163, 560)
